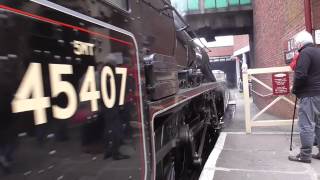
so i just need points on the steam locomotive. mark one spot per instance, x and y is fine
(103, 89)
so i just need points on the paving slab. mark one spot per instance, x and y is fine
(258, 176)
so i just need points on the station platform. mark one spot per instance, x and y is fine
(262, 155)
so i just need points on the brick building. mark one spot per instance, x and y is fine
(316, 14)
(240, 41)
(223, 51)
(315, 5)
(275, 24)
(226, 58)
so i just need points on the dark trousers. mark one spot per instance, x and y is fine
(309, 124)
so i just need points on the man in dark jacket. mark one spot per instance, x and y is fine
(307, 89)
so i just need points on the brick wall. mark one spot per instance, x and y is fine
(316, 14)
(240, 41)
(221, 51)
(275, 22)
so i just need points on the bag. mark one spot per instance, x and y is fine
(294, 61)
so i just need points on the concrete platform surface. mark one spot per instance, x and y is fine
(238, 156)
(262, 155)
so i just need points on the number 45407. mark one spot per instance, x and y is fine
(32, 86)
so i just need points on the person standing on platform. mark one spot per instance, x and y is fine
(307, 88)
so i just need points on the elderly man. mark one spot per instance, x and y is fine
(307, 89)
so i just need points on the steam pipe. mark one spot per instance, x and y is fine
(307, 15)
(169, 6)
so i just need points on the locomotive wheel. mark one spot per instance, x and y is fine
(184, 167)
(178, 166)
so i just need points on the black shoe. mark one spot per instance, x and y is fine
(107, 155)
(5, 165)
(116, 156)
(316, 156)
(120, 157)
(299, 159)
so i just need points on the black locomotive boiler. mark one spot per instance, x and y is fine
(103, 89)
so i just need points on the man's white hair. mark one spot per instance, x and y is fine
(303, 38)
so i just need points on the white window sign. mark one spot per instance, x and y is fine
(317, 36)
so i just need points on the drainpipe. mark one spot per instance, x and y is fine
(307, 15)
(201, 5)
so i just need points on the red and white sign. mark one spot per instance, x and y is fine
(280, 84)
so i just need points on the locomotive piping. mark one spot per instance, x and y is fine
(187, 26)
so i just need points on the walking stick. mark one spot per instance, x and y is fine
(294, 114)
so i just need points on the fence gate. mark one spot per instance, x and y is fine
(248, 75)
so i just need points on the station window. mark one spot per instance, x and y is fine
(122, 4)
(193, 4)
(242, 2)
(222, 3)
(208, 4)
(211, 4)
(234, 2)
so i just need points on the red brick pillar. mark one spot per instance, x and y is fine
(307, 15)
(316, 14)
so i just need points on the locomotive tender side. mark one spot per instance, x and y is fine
(102, 89)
